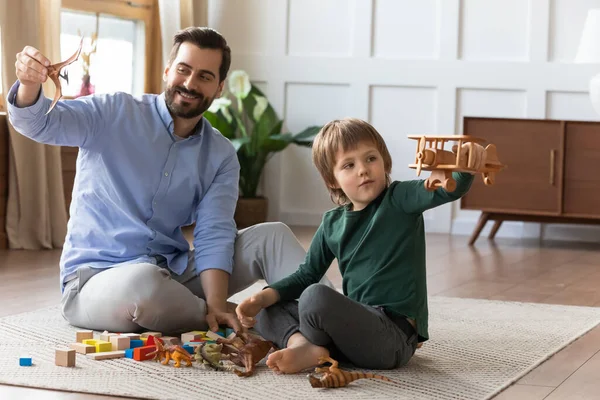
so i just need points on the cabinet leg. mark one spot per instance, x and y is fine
(495, 228)
(483, 219)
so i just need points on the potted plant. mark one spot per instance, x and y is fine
(244, 116)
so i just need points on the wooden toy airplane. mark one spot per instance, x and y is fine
(54, 74)
(431, 156)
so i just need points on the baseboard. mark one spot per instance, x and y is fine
(529, 230)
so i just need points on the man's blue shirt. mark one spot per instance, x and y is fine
(137, 183)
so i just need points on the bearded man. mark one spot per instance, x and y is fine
(148, 166)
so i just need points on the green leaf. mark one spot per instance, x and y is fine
(238, 143)
(220, 123)
(307, 136)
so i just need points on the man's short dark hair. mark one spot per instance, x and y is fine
(205, 38)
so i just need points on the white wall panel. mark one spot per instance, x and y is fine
(407, 67)
(320, 28)
(566, 24)
(570, 106)
(242, 23)
(302, 188)
(406, 29)
(494, 30)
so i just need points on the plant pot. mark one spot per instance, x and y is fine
(251, 211)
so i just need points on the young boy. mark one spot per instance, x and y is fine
(378, 238)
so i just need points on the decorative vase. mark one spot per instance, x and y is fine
(251, 211)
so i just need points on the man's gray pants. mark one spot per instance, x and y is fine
(137, 297)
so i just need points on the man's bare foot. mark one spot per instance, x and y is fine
(300, 354)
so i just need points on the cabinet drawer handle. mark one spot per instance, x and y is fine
(552, 159)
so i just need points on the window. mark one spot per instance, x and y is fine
(116, 60)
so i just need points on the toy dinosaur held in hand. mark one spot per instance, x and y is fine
(333, 377)
(245, 350)
(54, 74)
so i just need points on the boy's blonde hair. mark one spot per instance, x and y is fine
(345, 134)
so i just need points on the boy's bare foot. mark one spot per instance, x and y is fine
(298, 355)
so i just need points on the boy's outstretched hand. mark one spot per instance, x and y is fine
(247, 310)
(478, 156)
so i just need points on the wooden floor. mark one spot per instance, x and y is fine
(517, 270)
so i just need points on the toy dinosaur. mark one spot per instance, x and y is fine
(245, 350)
(334, 377)
(209, 354)
(54, 74)
(174, 352)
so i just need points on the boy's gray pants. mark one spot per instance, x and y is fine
(138, 297)
(364, 336)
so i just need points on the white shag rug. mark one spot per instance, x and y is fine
(477, 348)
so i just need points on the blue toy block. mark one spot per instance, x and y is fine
(136, 343)
(129, 353)
(189, 349)
(25, 362)
(228, 332)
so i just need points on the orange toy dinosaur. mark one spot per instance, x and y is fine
(174, 352)
(54, 74)
(245, 350)
(333, 377)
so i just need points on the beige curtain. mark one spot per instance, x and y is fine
(36, 212)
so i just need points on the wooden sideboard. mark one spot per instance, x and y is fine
(551, 176)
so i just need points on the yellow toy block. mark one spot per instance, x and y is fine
(102, 346)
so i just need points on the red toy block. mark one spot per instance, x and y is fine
(141, 353)
(152, 339)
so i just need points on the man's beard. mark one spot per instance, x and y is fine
(186, 111)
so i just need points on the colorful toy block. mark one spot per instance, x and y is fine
(101, 345)
(82, 335)
(25, 362)
(229, 332)
(151, 340)
(83, 348)
(215, 335)
(133, 336)
(120, 342)
(105, 336)
(129, 353)
(191, 336)
(189, 349)
(64, 357)
(135, 343)
(107, 355)
(141, 353)
(170, 340)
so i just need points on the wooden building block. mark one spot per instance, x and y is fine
(107, 355)
(171, 340)
(132, 336)
(191, 336)
(105, 336)
(102, 346)
(146, 334)
(141, 353)
(82, 348)
(82, 335)
(25, 362)
(64, 357)
(120, 342)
